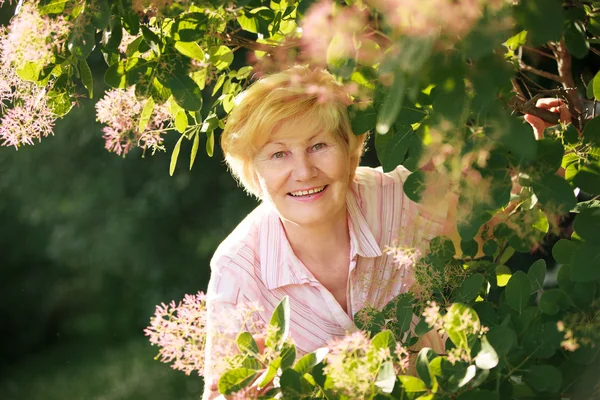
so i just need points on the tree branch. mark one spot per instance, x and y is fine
(539, 52)
(523, 106)
(563, 60)
(539, 72)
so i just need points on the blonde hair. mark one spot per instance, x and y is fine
(301, 95)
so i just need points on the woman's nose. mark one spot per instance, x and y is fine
(304, 169)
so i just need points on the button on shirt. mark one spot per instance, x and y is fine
(256, 263)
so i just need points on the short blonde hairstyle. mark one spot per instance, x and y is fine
(310, 97)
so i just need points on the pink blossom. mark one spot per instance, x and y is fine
(121, 111)
(180, 331)
(33, 38)
(426, 18)
(325, 23)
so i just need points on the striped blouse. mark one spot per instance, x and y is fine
(256, 263)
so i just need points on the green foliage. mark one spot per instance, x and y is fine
(439, 103)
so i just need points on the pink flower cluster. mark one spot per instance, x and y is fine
(426, 18)
(121, 111)
(332, 31)
(33, 38)
(181, 330)
(29, 116)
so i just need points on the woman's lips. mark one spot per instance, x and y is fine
(309, 197)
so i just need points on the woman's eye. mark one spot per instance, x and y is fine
(319, 146)
(279, 154)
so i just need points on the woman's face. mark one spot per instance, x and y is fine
(304, 175)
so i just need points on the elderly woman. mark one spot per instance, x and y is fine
(323, 222)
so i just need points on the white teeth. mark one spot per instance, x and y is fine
(308, 192)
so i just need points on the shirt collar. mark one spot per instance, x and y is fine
(279, 264)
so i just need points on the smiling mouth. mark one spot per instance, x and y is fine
(306, 193)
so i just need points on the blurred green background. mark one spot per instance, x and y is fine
(89, 244)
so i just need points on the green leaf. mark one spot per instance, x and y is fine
(591, 131)
(553, 300)
(235, 380)
(189, 27)
(554, 193)
(291, 384)
(550, 153)
(288, 355)
(384, 340)
(457, 313)
(523, 321)
(146, 114)
(583, 294)
(179, 116)
(100, 14)
(563, 251)
(404, 313)
(585, 265)
(280, 321)
(386, 377)
(131, 21)
(86, 77)
(516, 41)
(469, 248)
(487, 358)
(185, 92)
(442, 248)
(543, 378)
(308, 361)
(587, 224)
(391, 104)
(594, 25)
(115, 76)
(503, 274)
(469, 289)
(518, 290)
(112, 36)
(362, 119)
(585, 205)
(416, 183)
(563, 278)
(410, 384)
(422, 367)
(175, 155)
(29, 71)
(60, 102)
(502, 339)
(422, 327)
(537, 274)
(191, 50)
(576, 40)
(194, 149)
(246, 344)
(543, 20)
(220, 56)
(392, 147)
(542, 339)
(588, 179)
(82, 41)
(210, 143)
(52, 6)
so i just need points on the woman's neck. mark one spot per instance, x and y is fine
(322, 245)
